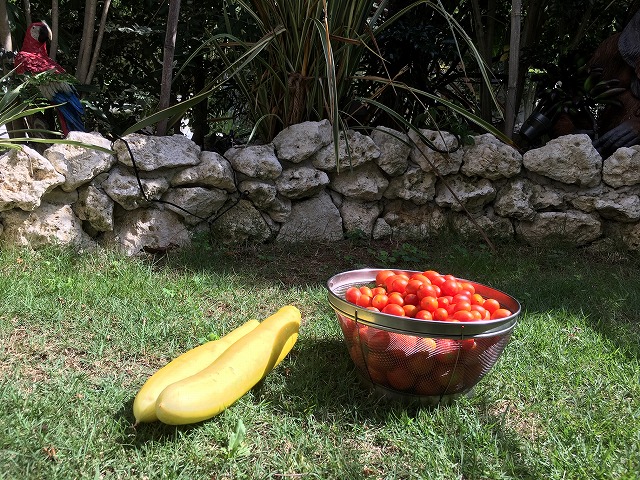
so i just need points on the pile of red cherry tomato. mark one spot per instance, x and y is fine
(428, 295)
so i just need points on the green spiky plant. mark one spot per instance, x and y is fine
(305, 63)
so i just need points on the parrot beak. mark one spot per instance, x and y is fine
(45, 33)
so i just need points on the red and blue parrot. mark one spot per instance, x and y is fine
(33, 58)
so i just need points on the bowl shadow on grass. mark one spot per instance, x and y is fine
(318, 379)
(342, 397)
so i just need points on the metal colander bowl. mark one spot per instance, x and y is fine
(428, 361)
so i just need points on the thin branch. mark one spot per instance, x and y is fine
(96, 50)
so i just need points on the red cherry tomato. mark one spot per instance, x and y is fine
(463, 316)
(481, 310)
(366, 291)
(450, 287)
(411, 299)
(429, 304)
(428, 291)
(410, 310)
(468, 287)
(440, 314)
(352, 294)
(418, 276)
(393, 309)
(458, 297)
(399, 284)
(423, 315)
(377, 339)
(500, 313)
(382, 276)
(491, 305)
(462, 305)
(444, 302)
(364, 301)
(378, 291)
(430, 274)
(379, 301)
(413, 286)
(477, 299)
(395, 298)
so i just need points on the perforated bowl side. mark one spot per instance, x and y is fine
(419, 360)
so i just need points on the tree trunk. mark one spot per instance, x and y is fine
(167, 62)
(484, 33)
(84, 55)
(26, 4)
(53, 50)
(5, 29)
(96, 50)
(7, 45)
(532, 26)
(514, 58)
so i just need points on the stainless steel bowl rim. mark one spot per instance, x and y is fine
(480, 328)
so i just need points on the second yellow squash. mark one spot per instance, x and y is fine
(238, 369)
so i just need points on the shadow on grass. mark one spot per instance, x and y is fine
(318, 381)
(603, 287)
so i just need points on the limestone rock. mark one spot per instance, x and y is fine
(365, 183)
(262, 194)
(25, 176)
(382, 230)
(147, 230)
(415, 185)
(80, 165)
(213, 171)
(123, 187)
(280, 209)
(394, 149)
(314, 219)
(301, 182)
(242, 223)
(570, 159)
(194, 204)
(514, 200)
(354, 149)
(299, 142)
(436, 160)
(95, 207)
(543, 197)
(470, 194)
(618, 207)
(153, 153)
(493, 226)
(57, 196)
(490, 158)
(411, 222)
(631, 237)
(359, 216)
(623, 167)
(572, 228)
(46, 225)
(255, 161)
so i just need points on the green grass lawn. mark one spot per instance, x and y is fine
(80, 334)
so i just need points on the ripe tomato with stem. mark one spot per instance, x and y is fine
(352, 295)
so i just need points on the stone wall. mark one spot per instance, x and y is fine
(155, 193)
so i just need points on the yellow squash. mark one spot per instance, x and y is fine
(187, 364)
(233, 374)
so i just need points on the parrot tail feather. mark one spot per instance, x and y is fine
(71, 109)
